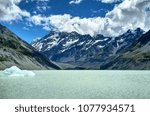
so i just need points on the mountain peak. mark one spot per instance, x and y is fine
(74, 33)
(135, 32)
(139, 30)
(145, 38)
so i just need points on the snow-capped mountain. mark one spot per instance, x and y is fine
(84, 50)
(135, 57)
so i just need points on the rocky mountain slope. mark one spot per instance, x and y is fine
(134, 57)
(84, 51)
(14, 51)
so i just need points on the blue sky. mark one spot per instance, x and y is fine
(31, 19)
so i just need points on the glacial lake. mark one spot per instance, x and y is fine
(71, 84)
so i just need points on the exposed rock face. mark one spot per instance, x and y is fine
(16, 52)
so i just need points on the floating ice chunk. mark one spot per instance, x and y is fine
(14, 71)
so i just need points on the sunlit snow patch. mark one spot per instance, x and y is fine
(14, 71)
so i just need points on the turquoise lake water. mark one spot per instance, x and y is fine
(78, 85)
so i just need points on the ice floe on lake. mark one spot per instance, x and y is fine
(14, 71)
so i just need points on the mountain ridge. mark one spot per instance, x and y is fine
(136, 57)
(84, 51)
(15, 51)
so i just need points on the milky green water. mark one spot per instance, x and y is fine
(78, 85)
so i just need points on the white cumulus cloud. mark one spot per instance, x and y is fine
(130, 14)
(9, 10)
(110, 1)
(75, 1)
(67, 23)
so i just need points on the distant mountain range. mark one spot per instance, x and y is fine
(62, 50)
(74, 51)
(16, 52)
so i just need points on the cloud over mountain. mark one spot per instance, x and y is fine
(129, 14)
